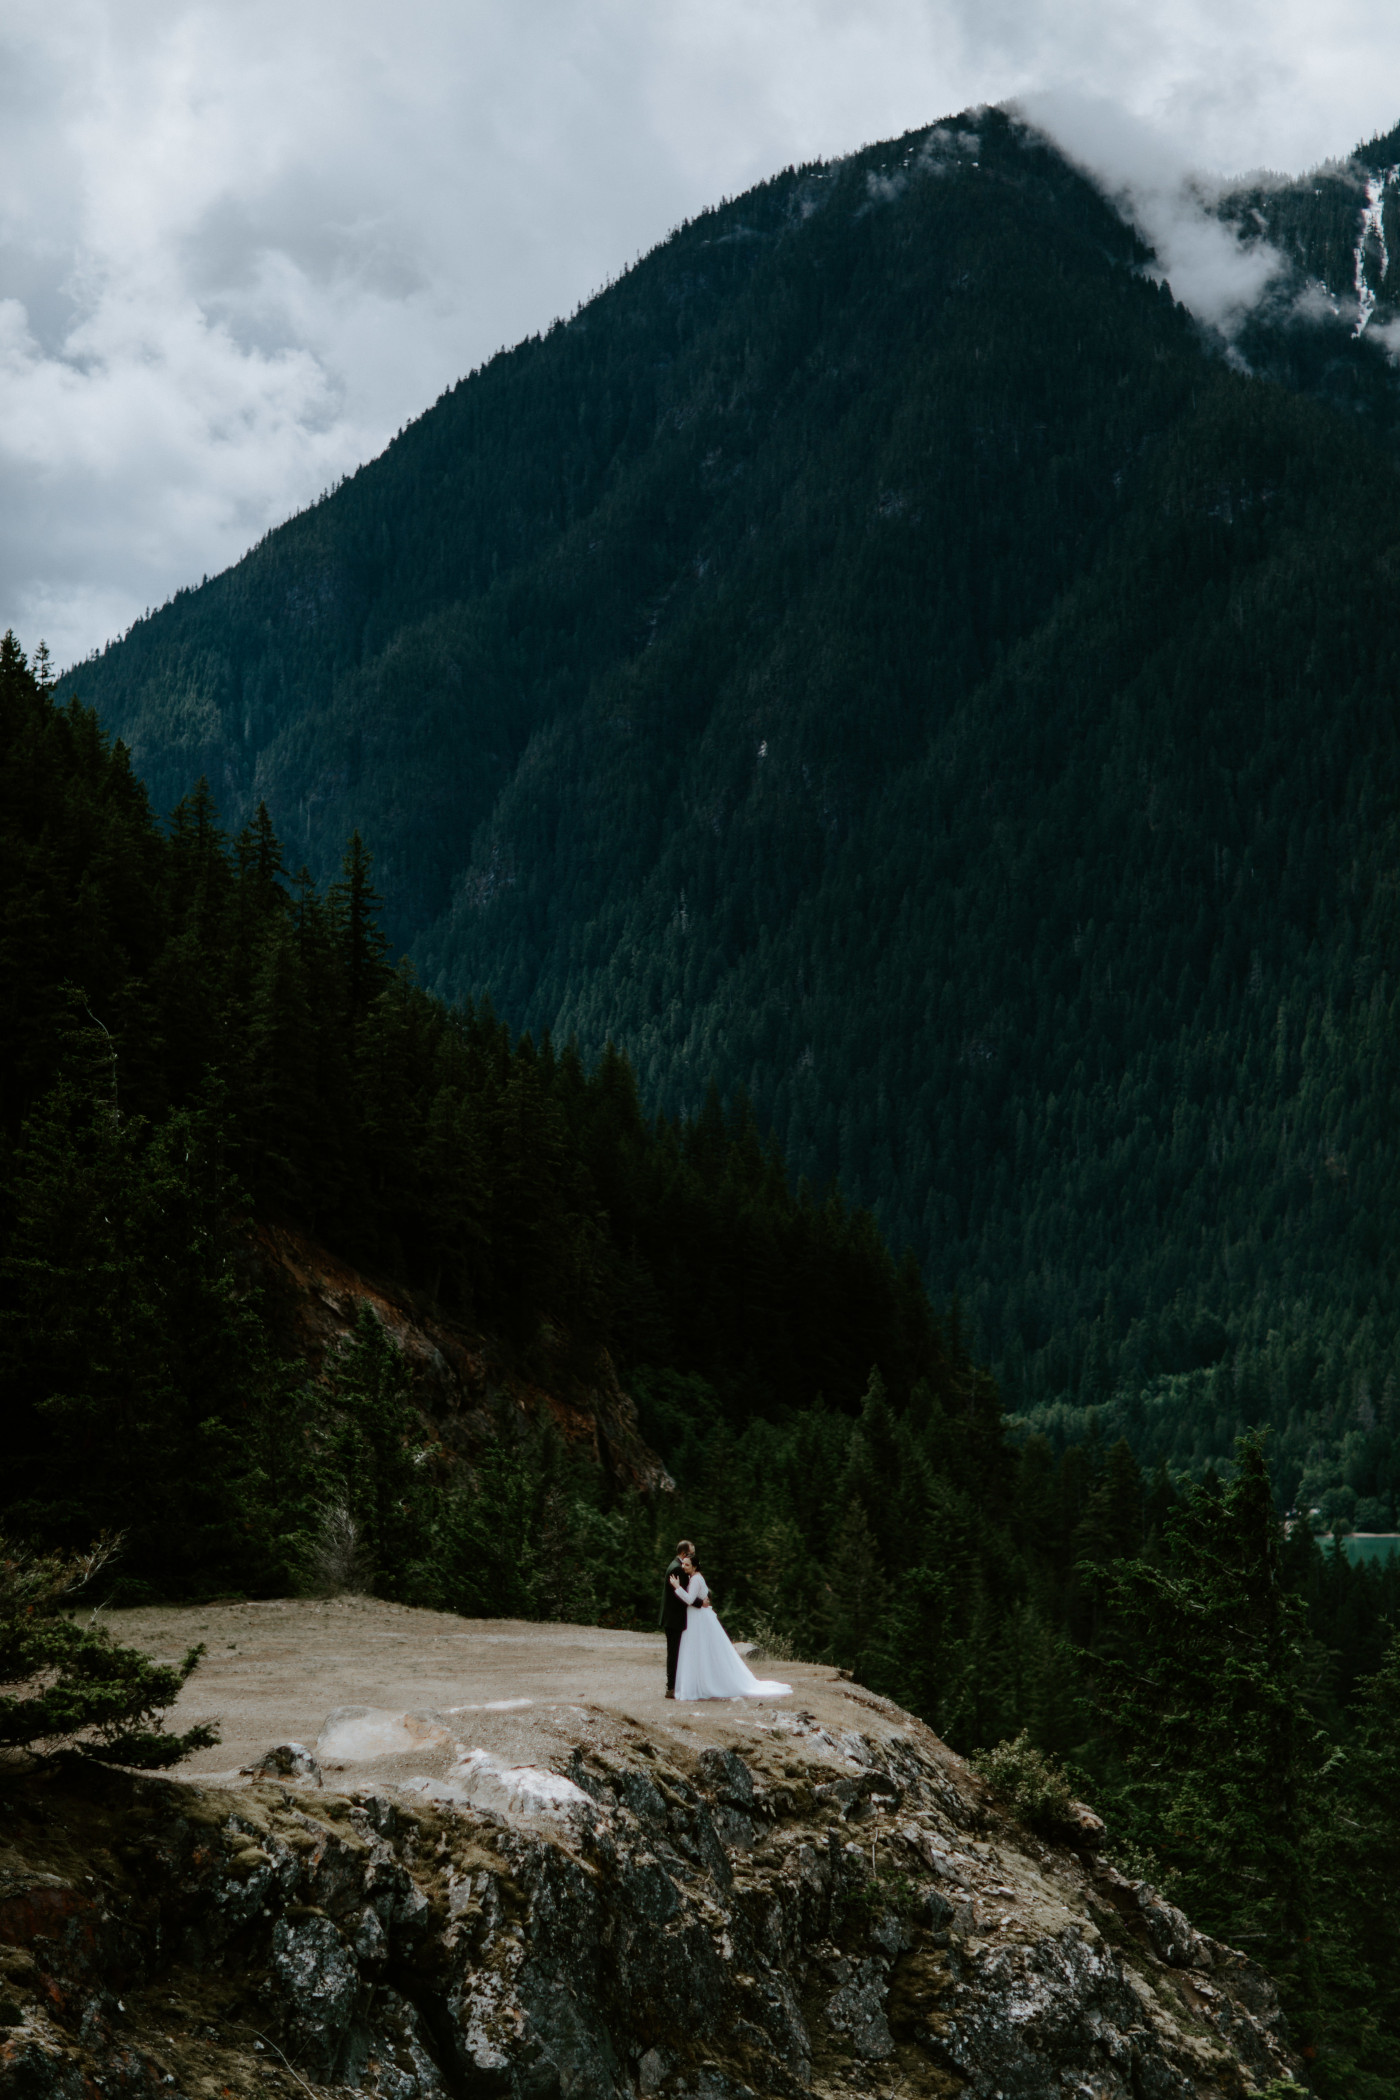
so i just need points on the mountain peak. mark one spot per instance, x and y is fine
(879, 653)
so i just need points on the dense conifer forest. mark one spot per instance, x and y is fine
(201, 1042)
(197, 1041)
(882, 655)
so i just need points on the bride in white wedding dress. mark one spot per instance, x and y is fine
(708, 1667)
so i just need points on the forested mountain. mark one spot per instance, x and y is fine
(882, 653)
(200, 1049)
(195, 1045)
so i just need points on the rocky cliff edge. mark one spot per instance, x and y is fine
(811, 1897)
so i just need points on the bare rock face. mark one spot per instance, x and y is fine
(710, 1926)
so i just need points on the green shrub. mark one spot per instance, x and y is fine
(1030, 1783)
(69, 1686)
(770, 1642)
(1140, 1863)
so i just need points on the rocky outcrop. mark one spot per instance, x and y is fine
(822, 1914)
(467, 1385)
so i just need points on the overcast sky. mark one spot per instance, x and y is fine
(242, 242)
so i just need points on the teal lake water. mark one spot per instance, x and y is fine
(1371, 1545)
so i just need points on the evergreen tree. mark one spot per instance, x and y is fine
(127, 1348)
(855, 1597)
(1356, 1840)
(388, 1477)
(1205, 1700)
(355, 906)
(873, 1468)
(75, 1688)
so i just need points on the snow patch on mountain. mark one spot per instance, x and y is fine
(1371, 242)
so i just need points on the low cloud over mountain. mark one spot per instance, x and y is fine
(241, 247)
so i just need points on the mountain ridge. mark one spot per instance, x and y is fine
(172, 736)
(897, 667)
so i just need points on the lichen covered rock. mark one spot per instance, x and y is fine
(810, 1915)
(288, 1761)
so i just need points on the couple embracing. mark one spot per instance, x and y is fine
(700, 1658)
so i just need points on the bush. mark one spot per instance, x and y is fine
(1030, 1783)
(770, 1643)
(336, 1560)
(69, 1686)
(1140, 1863)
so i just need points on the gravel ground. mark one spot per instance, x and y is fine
(274, 1672)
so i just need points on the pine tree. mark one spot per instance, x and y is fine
(127, 1346)
(355, 907)
(75, 1687)
(1355, 1834)
(873, 1471)
(386, 1470)
(1204, 1698)
(855, 1599)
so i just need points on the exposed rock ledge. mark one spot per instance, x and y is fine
(822, 1914)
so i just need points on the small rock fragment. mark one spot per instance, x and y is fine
(651, 2070)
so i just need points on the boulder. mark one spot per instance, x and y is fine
(1082, 1829)
(479, 1780)
(359, 1734)
(290, 1761)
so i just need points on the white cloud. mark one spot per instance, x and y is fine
(242, 241)
(1210, 267)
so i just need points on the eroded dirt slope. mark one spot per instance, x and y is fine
(468, 1387)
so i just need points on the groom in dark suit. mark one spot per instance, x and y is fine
(673, 1616)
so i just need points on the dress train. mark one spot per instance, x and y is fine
(708, 1666)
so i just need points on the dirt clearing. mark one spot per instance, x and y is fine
(427, 1685)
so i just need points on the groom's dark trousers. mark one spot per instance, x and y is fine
(672, 1624)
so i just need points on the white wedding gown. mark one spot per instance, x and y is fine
(708, 1667)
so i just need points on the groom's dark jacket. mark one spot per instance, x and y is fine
(672, 1610)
